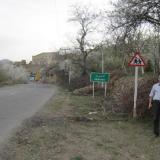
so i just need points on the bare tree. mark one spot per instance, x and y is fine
(130, 14)
(86, 19)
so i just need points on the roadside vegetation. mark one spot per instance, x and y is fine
(3, 77)
(75, 127)
(11, 74)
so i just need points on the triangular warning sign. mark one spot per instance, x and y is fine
(136, 60)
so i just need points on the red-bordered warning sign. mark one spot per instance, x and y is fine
(137, 60)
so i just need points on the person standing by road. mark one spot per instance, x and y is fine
(154, 100)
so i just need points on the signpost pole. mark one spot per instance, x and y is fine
(136, 61)
(69, 75)
(142, 70)
(135, 92)
(105, 93)
(93, 89)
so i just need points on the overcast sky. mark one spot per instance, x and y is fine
(28, 27)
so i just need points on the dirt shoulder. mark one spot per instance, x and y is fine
(73, 127)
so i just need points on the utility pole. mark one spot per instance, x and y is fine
(102, 63)
(69, 75)
(68, 65)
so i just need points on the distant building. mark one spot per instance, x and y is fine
(20, 63)
(45, 58)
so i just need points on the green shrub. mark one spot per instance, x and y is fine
(77, 158)
(149, 66)
(3, 76)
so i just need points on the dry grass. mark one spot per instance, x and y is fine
(53, 135)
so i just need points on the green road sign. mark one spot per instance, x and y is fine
(99, 77)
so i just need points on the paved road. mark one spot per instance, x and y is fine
(20, 102)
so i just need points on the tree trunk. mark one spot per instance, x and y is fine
(124, 65)
(84, 72)
(156, 70)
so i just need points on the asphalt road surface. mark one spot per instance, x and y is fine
(20, 102)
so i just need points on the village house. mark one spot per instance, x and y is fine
(45, 58)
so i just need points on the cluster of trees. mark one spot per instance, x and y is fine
(132, 25)
(11, 73)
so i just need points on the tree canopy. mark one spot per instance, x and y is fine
(130, 14)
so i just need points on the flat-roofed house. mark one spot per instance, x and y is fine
(45, 58)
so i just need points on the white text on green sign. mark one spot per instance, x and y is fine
(99, 77)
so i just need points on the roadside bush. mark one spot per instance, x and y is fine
(3, 76)
(113, 62)
(75, 83)
(15, 73)
(79, 82)
(11, 74)
(149, 66)
(123, 94)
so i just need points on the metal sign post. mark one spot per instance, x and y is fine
(105, 92)
(69, 75)
(136, 61)
(93, 89)
(135, 93)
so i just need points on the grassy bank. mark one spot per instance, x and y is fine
(73, 127)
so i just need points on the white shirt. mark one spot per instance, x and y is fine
(155, 91)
